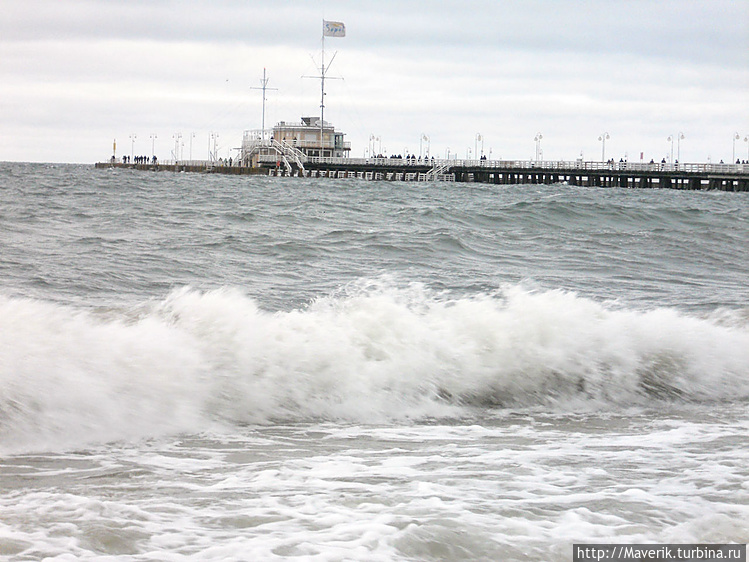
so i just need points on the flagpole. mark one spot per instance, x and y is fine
(334, 29)
(322, 91)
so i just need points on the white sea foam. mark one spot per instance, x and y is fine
(370, 353)
(516, 489)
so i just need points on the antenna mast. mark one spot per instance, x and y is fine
(264, 87)
(322, 89)
(332, 29)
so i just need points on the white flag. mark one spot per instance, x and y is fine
(333, 29)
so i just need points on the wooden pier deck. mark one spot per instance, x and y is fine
(722, 177)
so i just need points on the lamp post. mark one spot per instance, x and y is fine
(538, 138)
(212, 138)
(132, 145)
(679, 138)
(192, 136)
(423, 138)
(603, 138)
(746, 140)
(671, 140)
(377, 139)
(153, 139)
(478, 138)
(177, 138)
(736, 137)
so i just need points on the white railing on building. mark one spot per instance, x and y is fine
(262, 138)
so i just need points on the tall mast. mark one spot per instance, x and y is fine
(323, 70)
(340, 31)
(322, 91)
(264, 87)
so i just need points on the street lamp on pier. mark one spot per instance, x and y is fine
(538, 138)
(746, 140)
(177, 138)
(132, 145)
(192, 136)
(671, 140)
(212, 139)
(603, 138)
(372, 139)
(679, 138)
(153, 138)
(478, 138)
(736, 137)
(423, 138)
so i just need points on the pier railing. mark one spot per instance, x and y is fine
(443, 164)
(706, 176)
(576, 165)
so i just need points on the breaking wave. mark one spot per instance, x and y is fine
(369, 353)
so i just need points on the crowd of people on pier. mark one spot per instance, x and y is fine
(411, 158)
(152, 160)
(137, 160)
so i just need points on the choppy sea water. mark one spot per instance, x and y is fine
(204, 367)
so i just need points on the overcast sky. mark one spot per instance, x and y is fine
(77, 74)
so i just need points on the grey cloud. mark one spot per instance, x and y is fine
(674, 29)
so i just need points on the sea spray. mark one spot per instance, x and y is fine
(371, 353)
(69, 377)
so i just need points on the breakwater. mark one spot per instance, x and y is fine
(722, 177)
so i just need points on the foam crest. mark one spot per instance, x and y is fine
(68, 377)
(370, 353)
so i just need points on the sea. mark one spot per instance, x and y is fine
(202, 367)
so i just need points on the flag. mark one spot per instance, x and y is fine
(333, 29)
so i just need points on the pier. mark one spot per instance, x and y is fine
(720, 177)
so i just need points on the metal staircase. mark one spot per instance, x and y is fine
(284, 152)
(437, 171)
(288, 151)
